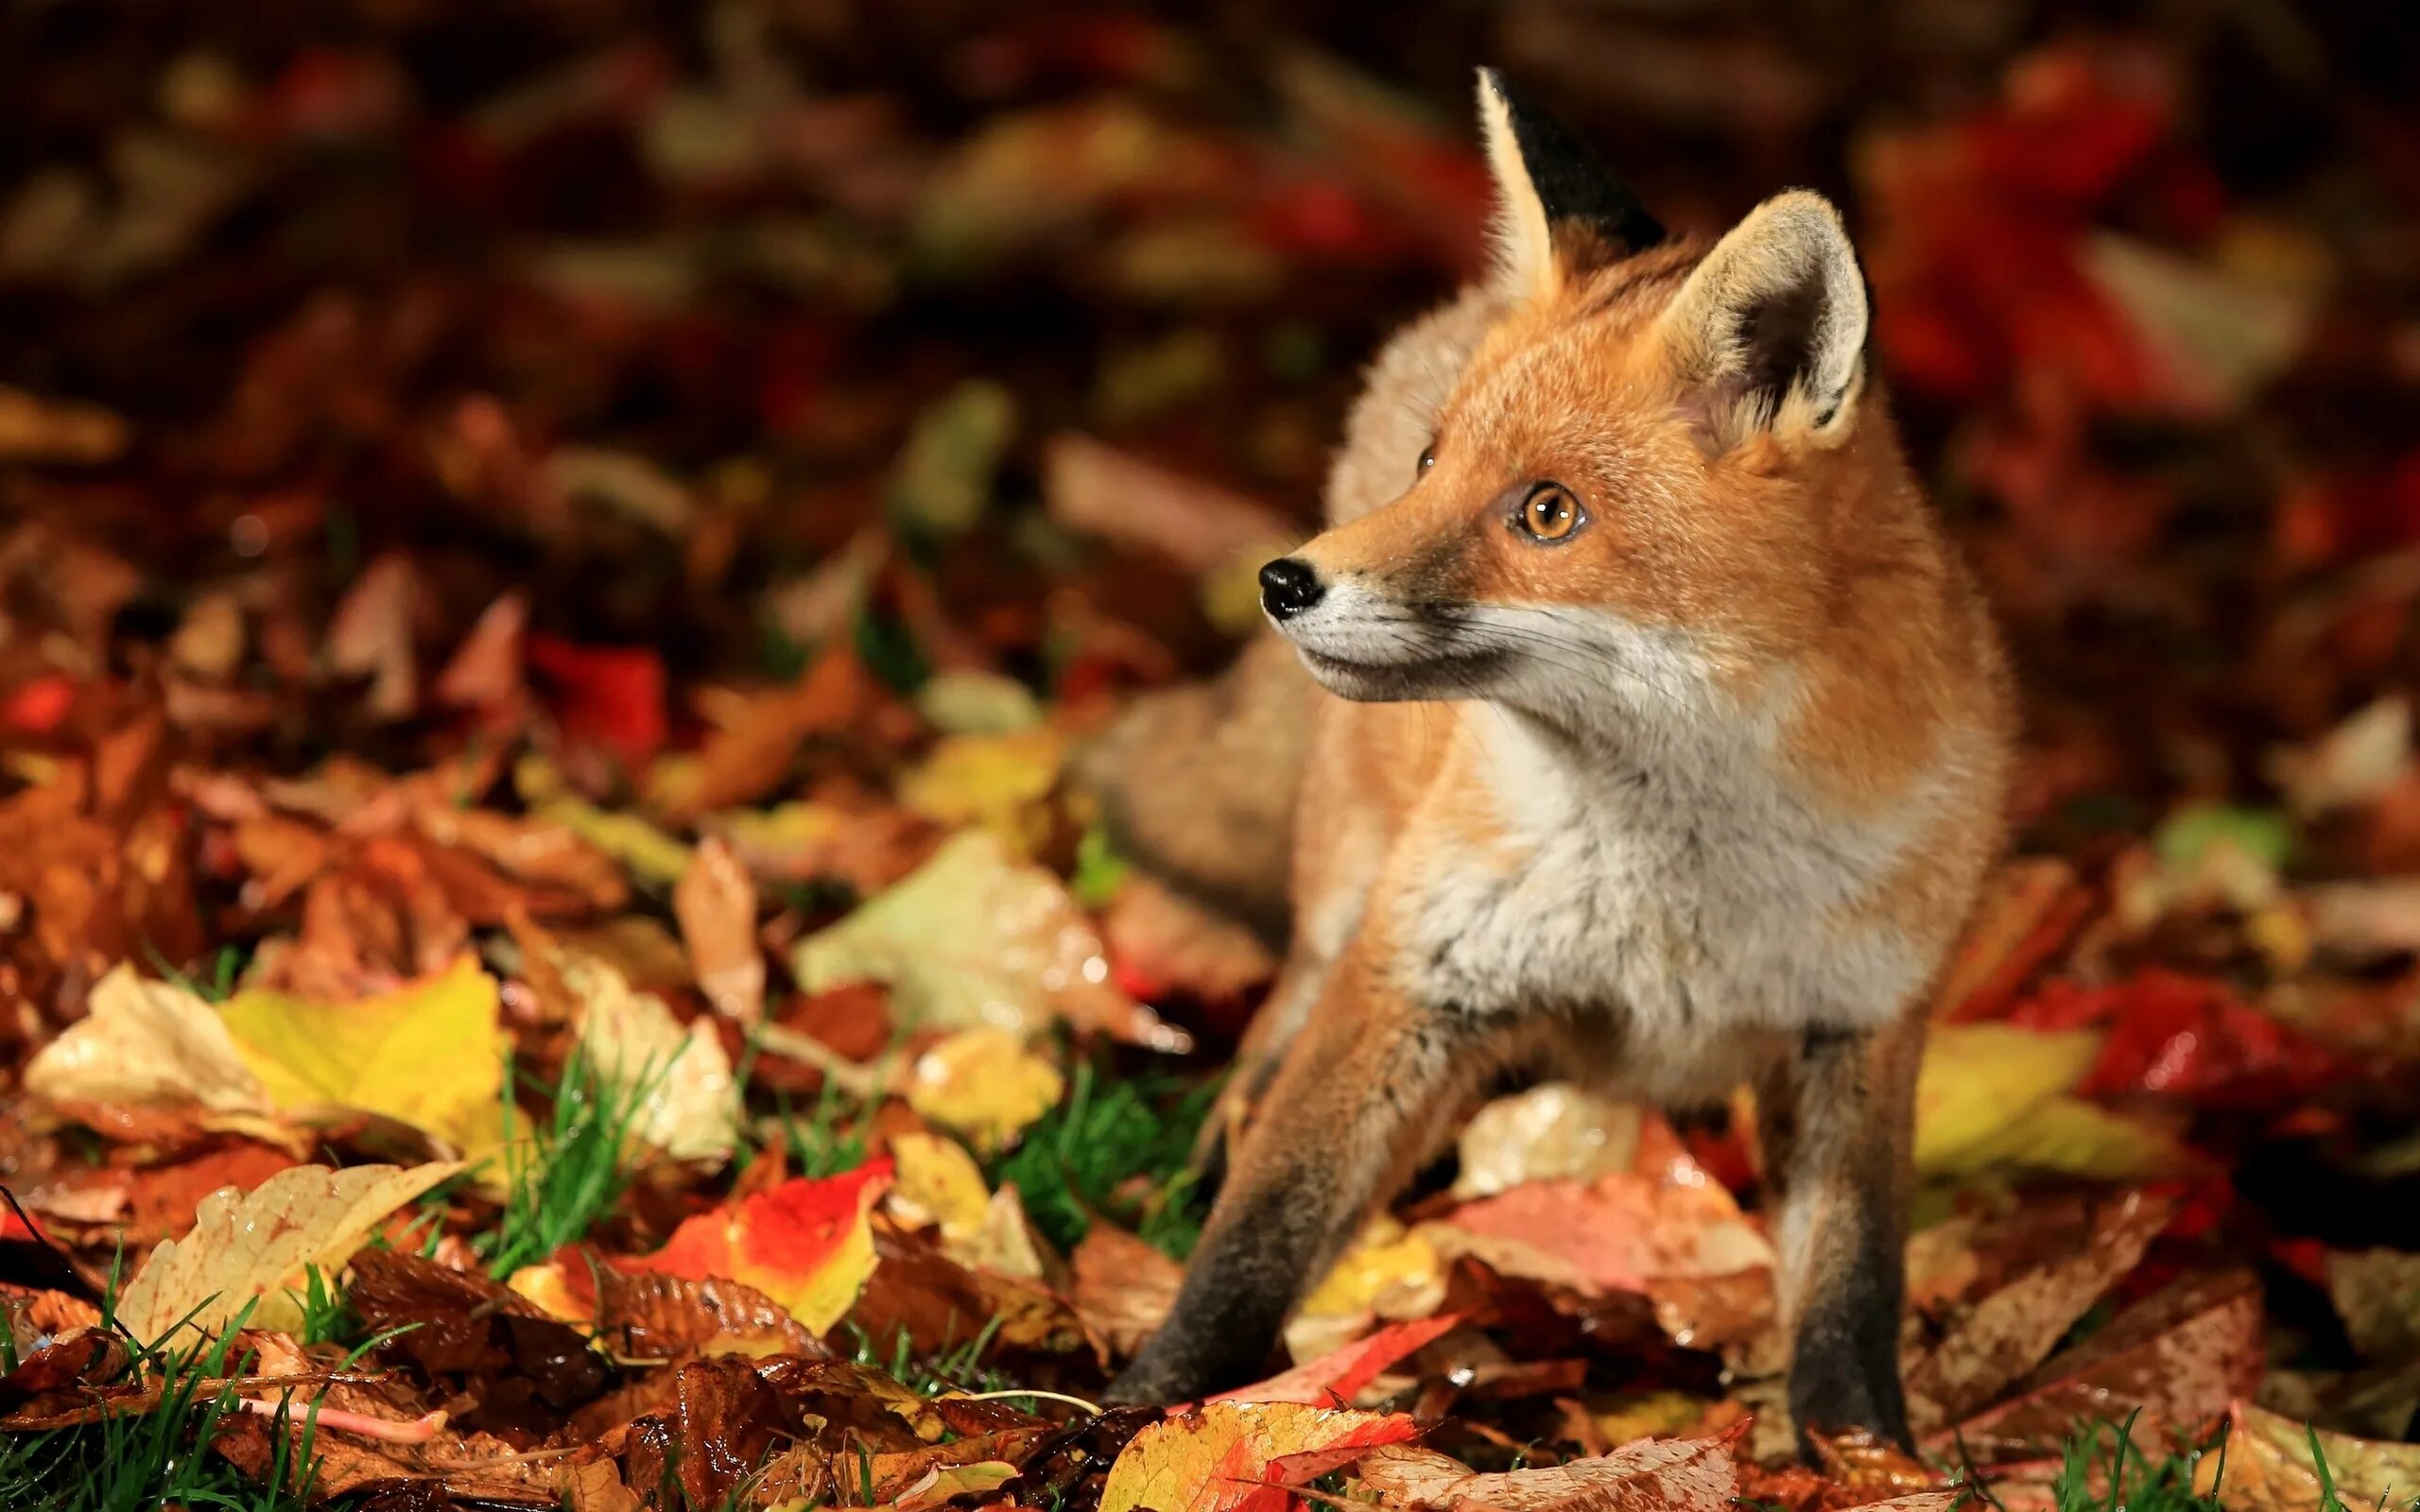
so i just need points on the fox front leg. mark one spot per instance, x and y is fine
(1361, 1094)
(1840, 1143)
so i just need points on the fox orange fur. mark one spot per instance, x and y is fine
(1652, 736)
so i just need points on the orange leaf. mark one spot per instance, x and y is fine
(807, 1244)
(1230, 1456)
(1338, 1376)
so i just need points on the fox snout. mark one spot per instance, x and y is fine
(1289, 586)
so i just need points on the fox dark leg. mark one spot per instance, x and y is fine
(1361, 1094)
(1839, 1145)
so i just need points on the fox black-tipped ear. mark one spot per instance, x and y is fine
(1769, 331)
(1552, 195)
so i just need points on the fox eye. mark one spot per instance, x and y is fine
(1549, 512)
(1427, 458)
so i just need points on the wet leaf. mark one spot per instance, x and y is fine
(251, 1246)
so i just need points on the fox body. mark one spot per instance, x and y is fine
(1644, 730)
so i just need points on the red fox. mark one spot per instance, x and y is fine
(1643, 728)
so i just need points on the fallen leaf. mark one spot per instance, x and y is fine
(248, 1245)
(937, 1183)
(806, 1244)
(370, 636)
(688, 1100)
(942, 482)
(2355, 763)
(1991, 1094)
(1551, 1131)
(1659, 1475)
(2177, 1357)
(1996, 1340)
(2269, 1468)
(974, 940)
(1227, 1455)
(1615, 1234)
(144, 1043)
(999, 783)
(1387, 1272)
(715, 901)
(1335, 1379)
(430, 1052)
(986, 1084)
(2377, 1293)
(1159, 938)
(1122, 1287)
(977, 703)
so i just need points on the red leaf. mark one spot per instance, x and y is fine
(1336, 1378)
(609, 695)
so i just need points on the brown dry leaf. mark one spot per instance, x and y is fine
(486, 669)
(2177, 1357)
(716, 902)
(2010, 1331)
(2377, 1293)
(1123, 1288)
(1658, 1475)
(749, 756)
(595, 1485)
(370, 636)
(253, 1245)
(146, 1042)
(650, 1315)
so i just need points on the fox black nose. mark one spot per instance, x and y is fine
(1289, 586)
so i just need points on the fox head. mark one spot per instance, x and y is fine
(1648, 478)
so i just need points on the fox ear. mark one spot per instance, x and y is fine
(1553, 197)
(1769, 331)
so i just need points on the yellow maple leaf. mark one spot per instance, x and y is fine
(1994, 1094)
(1218, 1456)
(998, 781)
(255, 1244)
(429, 1053)
(985, 1084)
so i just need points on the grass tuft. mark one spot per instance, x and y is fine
(571, 1172)
(137, 1462)
(1118, 1152)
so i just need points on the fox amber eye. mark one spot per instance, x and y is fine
(1427, 458)
(1550, 512)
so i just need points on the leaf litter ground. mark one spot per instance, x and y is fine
(552, 571)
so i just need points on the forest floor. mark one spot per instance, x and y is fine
(550, 573)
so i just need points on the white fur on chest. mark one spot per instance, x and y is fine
(1682, 890)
